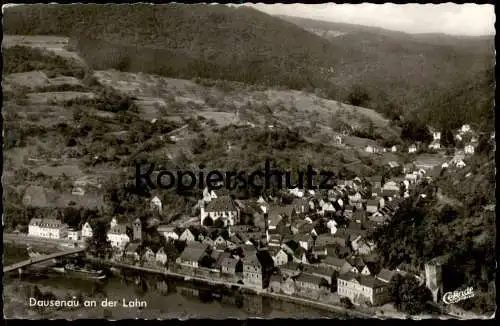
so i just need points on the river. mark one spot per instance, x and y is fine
(181, 300)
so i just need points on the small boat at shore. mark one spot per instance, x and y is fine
(83, 272)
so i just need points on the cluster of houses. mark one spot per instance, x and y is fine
(465, 135)
(313, 244)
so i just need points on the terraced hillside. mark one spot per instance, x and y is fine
(391, 72)
(68, 126)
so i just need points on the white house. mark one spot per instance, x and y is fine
(73, 234)
(47, 228)
(118, 237)
(412, 149)
(465, 128)
(156, 204)
(327, 208)
(340, 202)
(436, 135)
(223, 208)
(371, 149)
(87, 230)
(391, 185)
(161, 256)
(332, 226)
(280, 257)
(187, 236)
(338, 140)
(435, 145)
(445, 165)
(168, 232)
(296, 192)
(469, 149)
(460, 164)
(77, 191)
(394, 149)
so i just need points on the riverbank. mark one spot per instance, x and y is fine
(245, 288)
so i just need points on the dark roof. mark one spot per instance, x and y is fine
(220, 258)
(132, 247)
(333, 261)
(300, 202)
(194, 252)
(292, 244)
(299, 252)
(440, 260)
(46, 222)
(229, 262)
(118, 229)
(308, 278)
(221, 204)
(365, 280)
(324, 271)
(252, 260)
(386, 275)
(290, 266)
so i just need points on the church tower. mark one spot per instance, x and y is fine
(137, 230)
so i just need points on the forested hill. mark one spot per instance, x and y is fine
(214, 41)
(456, 218)
(392, 72)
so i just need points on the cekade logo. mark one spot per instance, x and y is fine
(456, 296)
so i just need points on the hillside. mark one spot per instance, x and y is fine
(414, 72)
(392, 72)
(197, 40)
(456, 218)
(68, 125)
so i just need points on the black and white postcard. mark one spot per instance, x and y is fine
(215, 161)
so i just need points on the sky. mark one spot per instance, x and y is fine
(448, 18)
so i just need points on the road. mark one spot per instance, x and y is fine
(24, 239)
(40, 259)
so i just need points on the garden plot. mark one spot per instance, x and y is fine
(38, 79)
(58, 97)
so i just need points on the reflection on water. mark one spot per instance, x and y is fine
(165, 297)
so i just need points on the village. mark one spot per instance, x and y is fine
(315, 246)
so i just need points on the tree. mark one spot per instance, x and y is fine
(218, 223)
(99, 244)
(346, 302)
(447, 139)
(358, 96)
(208, 221)
(409, 296)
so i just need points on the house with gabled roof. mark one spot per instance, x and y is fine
(386, 275)
(192, 254)
(300, 256)
(306, 241)
(224, 208)
(161, 257)
(118, 236)
(337, 264)
(188, 235)
(280, 257)
(324, 272)
(363, 289)
(132, 251)
(231, 266)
